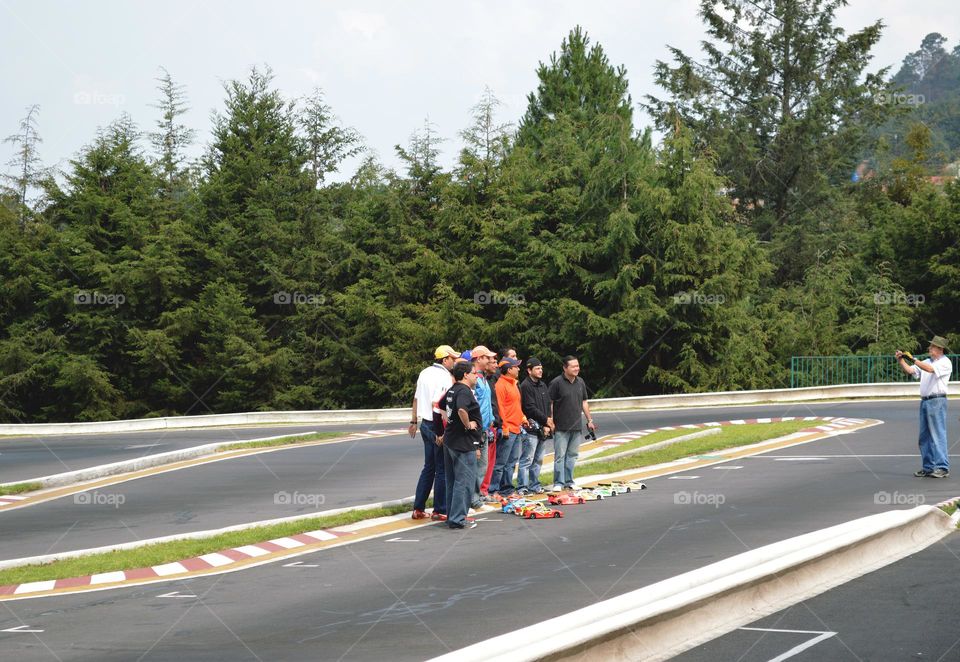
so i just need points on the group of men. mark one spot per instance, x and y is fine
(481, 424)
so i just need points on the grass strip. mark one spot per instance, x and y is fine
(730, 436)
(652, 438)
(178, 550)
(282, 441)
(950, 509)
(20, 488)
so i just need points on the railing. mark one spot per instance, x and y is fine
(834, 370)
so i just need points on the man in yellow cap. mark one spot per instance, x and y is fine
(934, 375)
(432, 383)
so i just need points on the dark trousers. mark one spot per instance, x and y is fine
(431, 476)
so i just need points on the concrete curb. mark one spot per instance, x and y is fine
(664, 619)
(651, 447)
(196, 535)
(140, 463)
(649, 402)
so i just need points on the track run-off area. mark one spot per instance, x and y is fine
(419, 592)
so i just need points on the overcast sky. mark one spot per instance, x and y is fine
(385, 66)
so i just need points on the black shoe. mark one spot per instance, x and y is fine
(939, 473)
(920, 473)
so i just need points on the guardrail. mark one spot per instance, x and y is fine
(334, 416)
(853, 369)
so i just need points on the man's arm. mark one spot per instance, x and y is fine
(413, 419)
(586, 411)
(909, 369)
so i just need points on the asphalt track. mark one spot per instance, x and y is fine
(277, 484)
(437, 590)
(905, 611)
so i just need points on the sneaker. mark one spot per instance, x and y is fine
(921, 473)
(468, 524)
(939, 473)
(438, 517)
(476, 506)
(523, 491)
(556, 487)
(419, 514)
(539, 489)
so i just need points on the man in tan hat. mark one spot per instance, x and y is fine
(934, 374)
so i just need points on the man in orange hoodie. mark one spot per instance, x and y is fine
(514, 422)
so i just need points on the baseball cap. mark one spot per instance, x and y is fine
(481, 350)
(466, 356)
(533, 362)
(443, 351)
(507, 361)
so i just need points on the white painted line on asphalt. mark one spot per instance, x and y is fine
(108, 577)
(35, 587)
(300, 564)
(174, 568)
(177, 594)
(796, 649)
(216, 560)
(737, 466)
(22, 628)
(798, 459)
(682, 477)
(402, 540)
(138, 446)
(774, 457)
(488, 519)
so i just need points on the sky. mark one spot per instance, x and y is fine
(385, 67)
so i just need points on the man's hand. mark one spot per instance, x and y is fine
(550, 422)
(478, 454)
(898, 354)
(439, 440)
(592, 425)
(412, 430)
(473, 426)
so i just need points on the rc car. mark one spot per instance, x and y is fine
(513, 506)
(604, 491)
(617, 487)
(565, 498)
(588, 494)
(540, 511)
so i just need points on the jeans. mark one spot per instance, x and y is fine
(566, 449)
(508, 453)
(933, 434)
(491, 462)
(461, 472)
(431, 476)
(525, 475)
(538, 454)
(481, 473)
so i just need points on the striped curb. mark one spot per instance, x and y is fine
(252, 555)
(105, 475)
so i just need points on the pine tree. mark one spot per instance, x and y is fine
(327, 143)
(29, 173)
(172, 137)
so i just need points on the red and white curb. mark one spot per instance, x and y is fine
(10, 498)
(835, 423)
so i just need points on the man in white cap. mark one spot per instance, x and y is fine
(432, 383)
(934, 375)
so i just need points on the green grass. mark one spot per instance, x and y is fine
(20, 488)
(652, 438)
(168, 552)
(950, 509)
(282, 441)
(730, 436)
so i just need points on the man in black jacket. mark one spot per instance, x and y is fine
(535, 402)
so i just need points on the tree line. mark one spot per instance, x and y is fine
(138, 283)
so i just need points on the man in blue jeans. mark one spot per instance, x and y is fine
(934, 375)
(461, 445)
(432, 383)
(568, 401)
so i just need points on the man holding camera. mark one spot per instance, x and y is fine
(934, 375)
(568, 400)
(536, 407)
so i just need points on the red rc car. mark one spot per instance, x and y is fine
(565, 499)
(540, 511)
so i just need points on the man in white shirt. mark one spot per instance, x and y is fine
(432, 383)
(934, 374)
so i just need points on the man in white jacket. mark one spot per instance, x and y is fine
(934, 375)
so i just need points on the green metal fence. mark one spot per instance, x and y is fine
(833, 370)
